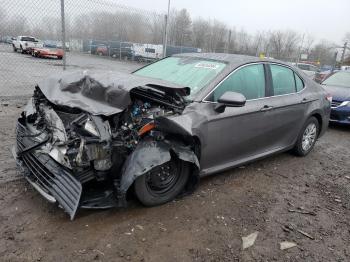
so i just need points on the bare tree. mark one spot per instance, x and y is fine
(324, 52)
(3, 19)
(309, 42)
(200, 32)
(216, 40)
(180, 27)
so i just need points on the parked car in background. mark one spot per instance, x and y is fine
(323, 72)
(338, 85)
(56, 44)
(102, 50)
(308, 69)
(87, 139)
(6, 39)
(147, 52)
(115, 49)
(25, 44)
(48, 52)
(320, 76)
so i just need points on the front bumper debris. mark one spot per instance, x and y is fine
(50, 179)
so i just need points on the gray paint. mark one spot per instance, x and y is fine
(235, 136)
(99, 93)
(239, 134)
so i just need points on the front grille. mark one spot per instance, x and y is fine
(51, 177)
(335, 103)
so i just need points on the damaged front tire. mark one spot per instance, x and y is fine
(162, 183)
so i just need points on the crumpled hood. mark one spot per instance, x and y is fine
(99, 93)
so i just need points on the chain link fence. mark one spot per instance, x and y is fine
(103, 35)
(99, 35)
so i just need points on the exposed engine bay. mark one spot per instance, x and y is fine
(101, 154)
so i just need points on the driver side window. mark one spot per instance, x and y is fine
(249, 81)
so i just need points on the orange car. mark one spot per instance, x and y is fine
(48, 53)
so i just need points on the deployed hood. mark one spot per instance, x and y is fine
(338, 93)
(100, 93)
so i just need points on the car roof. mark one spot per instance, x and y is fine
(231, 59)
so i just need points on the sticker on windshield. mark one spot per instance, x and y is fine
(207, 65)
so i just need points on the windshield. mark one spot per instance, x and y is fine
(338, 79)
(191, 72)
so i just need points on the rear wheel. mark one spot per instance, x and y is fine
(163, 183)
(307, 138)
(14, 48)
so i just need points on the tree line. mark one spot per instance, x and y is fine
(210, 35)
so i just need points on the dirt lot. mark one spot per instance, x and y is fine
(205, 226)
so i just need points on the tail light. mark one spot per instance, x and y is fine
(329, 98)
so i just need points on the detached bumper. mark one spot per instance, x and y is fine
(50, 179)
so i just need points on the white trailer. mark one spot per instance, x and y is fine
(147, 52)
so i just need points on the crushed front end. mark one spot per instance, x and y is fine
(83, 160)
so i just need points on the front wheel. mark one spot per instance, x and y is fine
(163, 183)
(307, 138)
(14, 48)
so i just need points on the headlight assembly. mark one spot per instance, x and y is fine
(91, 128)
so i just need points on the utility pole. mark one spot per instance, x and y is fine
(300, 47)
(257, 46)
(228, 42)
(335, 59)
(63, 35)
(166, 30)
(343, 54)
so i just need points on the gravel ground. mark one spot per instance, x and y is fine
(205, 226)
(283, 198)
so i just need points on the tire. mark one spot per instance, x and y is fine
(14, 48)
(21, 49)
(311, 124)
(149, 194)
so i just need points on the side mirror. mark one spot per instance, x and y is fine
(230, 99)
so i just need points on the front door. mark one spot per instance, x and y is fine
(239, 133)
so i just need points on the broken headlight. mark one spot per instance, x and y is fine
(91, 128)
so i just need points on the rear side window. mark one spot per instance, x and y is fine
(282, 80)
(298, 82)
(249, 81)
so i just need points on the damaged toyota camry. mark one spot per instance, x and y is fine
(90, 139)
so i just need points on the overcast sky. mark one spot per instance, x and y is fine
(328, 19)
(323, 19)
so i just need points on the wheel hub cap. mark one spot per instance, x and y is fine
(309, 137)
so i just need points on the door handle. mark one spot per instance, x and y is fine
(305, 100)
(266, 108)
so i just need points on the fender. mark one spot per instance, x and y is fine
(151, 153)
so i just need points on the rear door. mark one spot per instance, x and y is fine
(286, 105)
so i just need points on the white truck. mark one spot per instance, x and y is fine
(25, 44)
